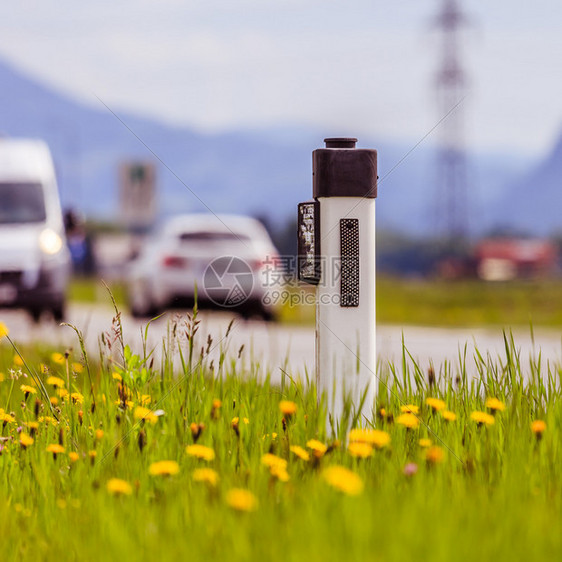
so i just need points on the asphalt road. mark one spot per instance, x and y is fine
(279, 347)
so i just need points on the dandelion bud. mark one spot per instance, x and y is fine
(538, 427)
(37, 407)
(215, 408)
(196, 430)
(61, 436)
(235, 426)
(141, 440)
(80, 417)
(431, 376)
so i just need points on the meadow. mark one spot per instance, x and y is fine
(138, 456)
(460, 303)
(403, 301)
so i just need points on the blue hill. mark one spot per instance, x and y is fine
(264, 172)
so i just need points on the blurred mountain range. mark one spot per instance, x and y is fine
(260, 172)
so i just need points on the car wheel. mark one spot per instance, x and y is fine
(35, 313)
(140, 302)
(58, 312)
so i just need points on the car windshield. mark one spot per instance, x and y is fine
(21, 202)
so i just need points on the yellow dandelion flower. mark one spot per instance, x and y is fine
(434, 455)
(449, 416)
(215, 408)
(26, 389)
(409, 421)
(73, 456)
(145, 399)
(279, 472)
(164, 468)
(300, 452)
(76, 397)
(271, 460)
(142, 413)
(34, 426)
(495, 405)
(26, 440)
(435, 403)
(241, 500)
(2, 377)
(538, 427)
(62, 392)
(410, 409)
(482, 418)
(424, 443)
(343, 479)
(3, 330)
(206, 475)
(99, 434)
(18, 360)
(128, 405)
(200, 452)
(119, 487)
(77, 367)
(55, 381)
(375, 437)
(57, 358)
(54, 400)
(116, 376)
(55, 448)
(92, 454)
(317, 447)
(360, 450)
(6, 418)
(287, 407)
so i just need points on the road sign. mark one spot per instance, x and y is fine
(137, 194)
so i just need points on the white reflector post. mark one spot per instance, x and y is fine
(337, 254)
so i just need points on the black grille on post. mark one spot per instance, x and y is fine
(349, 237)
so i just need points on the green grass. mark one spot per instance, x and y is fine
(92, 290)
(472, 303)
(496, 493)
(469, 302)
(425, 302)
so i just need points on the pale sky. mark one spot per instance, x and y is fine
(359, 67)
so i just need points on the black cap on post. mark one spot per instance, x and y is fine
(341, 170)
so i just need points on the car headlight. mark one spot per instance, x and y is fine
(50, 242)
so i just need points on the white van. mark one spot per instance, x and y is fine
(34, 258)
